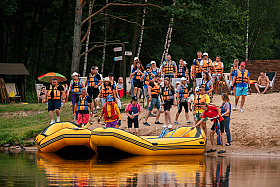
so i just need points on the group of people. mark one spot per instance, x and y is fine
(204, 74)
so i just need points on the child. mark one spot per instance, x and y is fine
(133, 110)
(42, 94)
(225, 111)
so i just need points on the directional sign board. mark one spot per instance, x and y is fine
(128, 53)
(117, 49)
(118, 58)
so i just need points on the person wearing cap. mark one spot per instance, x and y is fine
(196, 70)
(242, 79)
(197, 112)
(137, 73)
(147, 78)
(177, 84)
(219, 70)
(106, 89)
(93, 81)
(76, 85)
(131, 77)
(168, 68)
(182, 69)
(83, 105)
(182, 100)
(153, 90)
(111, 113)
(154, 69)
(207, 64)
(133, 110)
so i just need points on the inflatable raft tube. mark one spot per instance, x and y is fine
(60, 135)
(179, 141)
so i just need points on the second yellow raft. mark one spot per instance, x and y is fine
(179, 141)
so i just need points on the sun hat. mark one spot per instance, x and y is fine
(106, 79)
(75, 74)
(109, 98)
(183, 79)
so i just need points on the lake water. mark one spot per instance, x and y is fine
(49, 169)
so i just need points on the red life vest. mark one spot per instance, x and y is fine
(113, 114)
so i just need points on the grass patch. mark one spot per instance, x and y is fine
(18, 129)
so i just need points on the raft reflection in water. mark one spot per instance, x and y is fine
(137, 170)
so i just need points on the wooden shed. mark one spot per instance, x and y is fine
(256, 66)
(15, 73)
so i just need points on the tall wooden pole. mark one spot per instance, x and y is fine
(124, 70)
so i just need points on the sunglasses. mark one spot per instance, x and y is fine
(97, 69)
(200, 90)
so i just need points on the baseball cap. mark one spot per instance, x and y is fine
(205, 54)
(134, 98)
(109, 98)
(183, 79)
(197, 89)
(184, 62)
(111, 74)
(153, 62)
(136, 58)
(177, 82)
(242, 64)
(75, 74)
(148, 65)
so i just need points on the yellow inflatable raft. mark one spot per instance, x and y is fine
(60, 135)
(179, 141)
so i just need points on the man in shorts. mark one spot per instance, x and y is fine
(197, 70)
(263, 82)
(153, 92)
(213, 112)
(54, 93)
(83, 105)
(242, 79)
(93, 81)
(219, 70)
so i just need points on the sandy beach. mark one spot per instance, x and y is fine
(254, 132)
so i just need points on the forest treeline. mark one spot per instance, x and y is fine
(40, 33)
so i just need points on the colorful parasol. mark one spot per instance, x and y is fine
(49, 76)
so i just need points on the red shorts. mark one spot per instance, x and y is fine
(83, 118)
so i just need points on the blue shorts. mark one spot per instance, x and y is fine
(155, 102)
(52, 105)
(241, 91)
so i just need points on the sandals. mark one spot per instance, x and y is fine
(221, 151)
(211, 150)
(228, 144)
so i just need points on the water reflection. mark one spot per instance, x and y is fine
(49, 169)
(132, 171)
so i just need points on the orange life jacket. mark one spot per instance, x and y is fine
(93, 81)
(148, 78)
(155, 89)
(56, 93)
(168, 67)
(105, 91)
(242, 77)
(198, 101)
(167, 94)
(219, 67)
(113, 114)
(183, 93)
(207, 66)
(137, 76)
